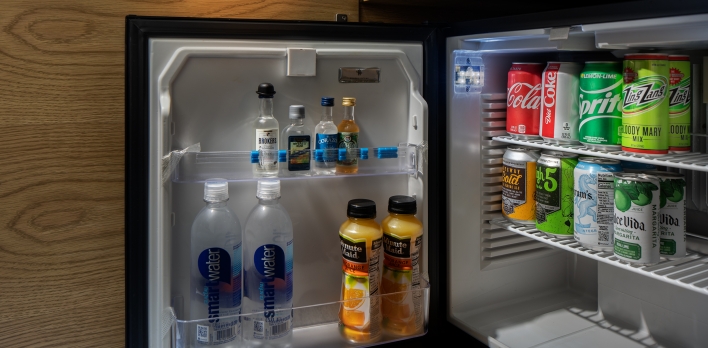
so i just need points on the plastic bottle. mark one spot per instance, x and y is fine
(268, 271)
(326, 140)
(348, 138)
(215, 269)
(402, 241)
(360, 240)
(266, 131)
(296, 140)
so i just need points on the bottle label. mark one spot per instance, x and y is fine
(274, 266)
(348, 140)
(267, 144)
(222, 284)
(360, 280)
(402, 309)
(328, 141)
(298, 152)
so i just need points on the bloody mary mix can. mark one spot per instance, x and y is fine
(523, 100)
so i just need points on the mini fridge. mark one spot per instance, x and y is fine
(427, 131)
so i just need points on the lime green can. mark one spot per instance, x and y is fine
(679, 104)
(645, 104)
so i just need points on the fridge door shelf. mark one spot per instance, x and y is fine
(690, 272)
(690, 160)
(318, 325)
(238, 165)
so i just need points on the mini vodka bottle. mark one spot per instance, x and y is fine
(297, 141)
(268, 266)
(266, 131)
(326, 140)
(215, 270)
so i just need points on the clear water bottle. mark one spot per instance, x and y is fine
(296, 140)
(268, 266)
(266, 134)
(326, 139)
(216, 270)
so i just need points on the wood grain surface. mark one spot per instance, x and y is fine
(62, 160)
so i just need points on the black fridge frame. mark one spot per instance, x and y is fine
(139, 30)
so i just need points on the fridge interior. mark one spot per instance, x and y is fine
(203, 91)
(514, 288)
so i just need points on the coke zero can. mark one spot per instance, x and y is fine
(559, 103)
(523, 100)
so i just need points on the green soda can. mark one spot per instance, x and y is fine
(554, 193)
(645, 106)
(601, 106)
(679, 104)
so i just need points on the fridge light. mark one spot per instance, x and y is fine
(468, 72)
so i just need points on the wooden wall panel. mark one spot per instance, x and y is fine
(62, 159)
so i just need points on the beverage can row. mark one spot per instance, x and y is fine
(602, 203)
(640, 105)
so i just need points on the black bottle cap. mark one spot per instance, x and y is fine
(402, 205)
(265, 90)
(361, 208)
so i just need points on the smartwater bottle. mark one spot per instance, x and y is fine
(268, 265)
(216, 270)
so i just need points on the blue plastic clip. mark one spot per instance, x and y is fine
(364, 153)
(319, 155)
(254, 156)
(282, 155)
(342, 154)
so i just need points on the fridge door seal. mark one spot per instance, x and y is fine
(140, 168)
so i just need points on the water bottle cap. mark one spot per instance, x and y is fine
(297, 112)
(361, 208)
(327, 101)
(402, 205)
(268, 189)
(265, 90)
(216, 190)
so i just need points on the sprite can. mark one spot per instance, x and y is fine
(637, 218)
(554, 193)
(679, 104)
(645, 106)
(601, 106)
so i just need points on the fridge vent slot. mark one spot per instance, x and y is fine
(499, 246)
(690, 272)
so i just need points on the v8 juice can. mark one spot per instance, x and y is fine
(645, 106)
(601, 105)
(519, 184)
(672, 214)
(523, 100)
(679, 104)
(637, 218)
(559, 103)
(593, 209)
(554, 193)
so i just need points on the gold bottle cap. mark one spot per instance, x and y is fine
(347, 101)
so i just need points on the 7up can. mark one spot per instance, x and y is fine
(601, 105)
(554, 193)
(679, 104)
(637, 218)
(645, 106)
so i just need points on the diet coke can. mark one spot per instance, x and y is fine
(559, 103)
(523, 100)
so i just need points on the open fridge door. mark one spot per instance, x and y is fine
(514, 286)
(193, 82)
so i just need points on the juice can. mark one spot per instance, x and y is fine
(672, 210)
(600, 99)
(523, 100)
(637, 218)
(679, 104)
(554, 193)
(645, 106)
(593, 208)
(559, 103)
(519, 184)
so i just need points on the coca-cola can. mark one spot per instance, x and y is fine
(523, 100)
(559, 103)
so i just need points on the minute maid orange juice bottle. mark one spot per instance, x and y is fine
(360, 239)
(402, 240)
